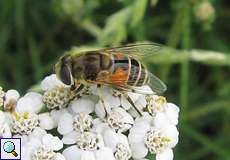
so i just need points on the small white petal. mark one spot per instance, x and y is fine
(138, 150)
(172, 113)
(56, 114)
(37, 133)
(31, 102)
(141, 102)
(12, 94)
(136, 137)
(134, 96)
(59, 156)
(24, 138)
(6, 132)
(72, 153)
(147, 88)
(52, 142)
(50, 82)
(70, 138)
(46, 121)
(87, 155)
(172, 133)
(165, 155)
(2, 117)
(133, 112)
(161, 121)
(26, 153)
(112, 101)
(37, 100)
(104, 154)
(126, 118)
(100, 127)
(174, 107)
(123, 139)
(145, 117)
(140, 127)
(33, 144)
(65, 124)
(102, 108)
(138, 131)
(125, 103)
(24, 105)
(111, 139)
(109, 98)
(84, 104)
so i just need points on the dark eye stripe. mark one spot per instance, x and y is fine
(65, 75)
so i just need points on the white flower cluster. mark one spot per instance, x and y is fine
(96, 124)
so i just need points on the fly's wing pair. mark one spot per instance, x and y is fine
(137, 51)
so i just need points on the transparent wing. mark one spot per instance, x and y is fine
(140, 50)
(156, 84)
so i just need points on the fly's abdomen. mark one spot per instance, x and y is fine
(138, 74)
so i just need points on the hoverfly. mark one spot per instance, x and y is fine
(120, 68)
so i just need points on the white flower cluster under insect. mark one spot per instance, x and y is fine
(95, 124)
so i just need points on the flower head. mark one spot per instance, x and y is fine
(89, 145)
(24, 122)
(82, 122)
(57, 97)
(94, 124)
(145, 137)
(119, 119)
(42, 148)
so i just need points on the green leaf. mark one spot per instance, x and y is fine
(138, 12)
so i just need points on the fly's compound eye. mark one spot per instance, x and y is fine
(65, 75)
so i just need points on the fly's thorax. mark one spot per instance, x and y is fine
(90, 64)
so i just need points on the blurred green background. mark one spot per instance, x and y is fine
(34, 33)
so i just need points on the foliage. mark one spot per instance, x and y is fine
(33, 34)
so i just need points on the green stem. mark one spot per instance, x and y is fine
(173, 56)
(185, 65)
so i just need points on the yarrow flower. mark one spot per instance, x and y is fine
(94, 124)
(42, 146)
(24, 123)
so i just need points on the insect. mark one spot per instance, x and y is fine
(120, 68)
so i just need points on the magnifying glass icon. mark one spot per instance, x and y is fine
(9, 147)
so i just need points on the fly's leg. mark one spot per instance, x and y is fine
(76, 90)
(102, 100)
(132, 103)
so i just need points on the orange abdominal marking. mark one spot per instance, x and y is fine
(119, 77)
